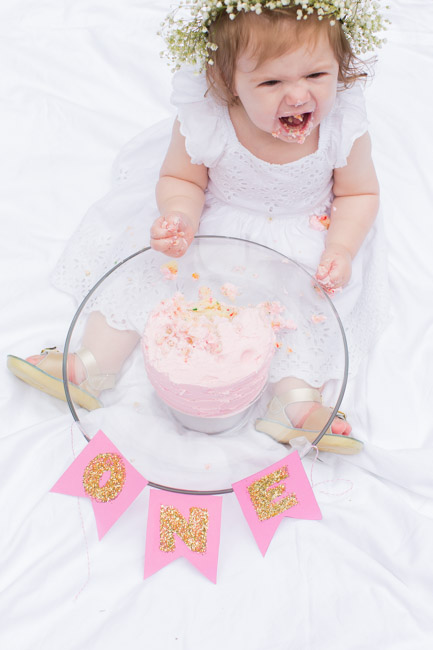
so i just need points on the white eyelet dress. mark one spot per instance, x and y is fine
(246, 197)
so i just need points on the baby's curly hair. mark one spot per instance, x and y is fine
(266, 36)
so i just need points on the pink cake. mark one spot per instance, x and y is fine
(206, 358)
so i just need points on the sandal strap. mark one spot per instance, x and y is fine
(294, 395)
(277, 419)
(95, 379)
(277, 405)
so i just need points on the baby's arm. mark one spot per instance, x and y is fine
(180, 197)
(353, 212)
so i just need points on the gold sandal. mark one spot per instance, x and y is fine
(40, 376)
(277, 425)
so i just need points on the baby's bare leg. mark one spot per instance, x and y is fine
(110, 347)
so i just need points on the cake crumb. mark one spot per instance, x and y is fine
(230, 291)
(169, 270)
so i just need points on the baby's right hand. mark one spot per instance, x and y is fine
(171, 234)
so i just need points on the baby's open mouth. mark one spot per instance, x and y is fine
(294, 128)
(295, 122)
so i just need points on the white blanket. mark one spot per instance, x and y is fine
(79, 78)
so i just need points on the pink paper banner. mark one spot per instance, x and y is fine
(281, 490)
(183, 525)
(103, 474)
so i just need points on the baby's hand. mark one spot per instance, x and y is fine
(335, 268)
(171, 234)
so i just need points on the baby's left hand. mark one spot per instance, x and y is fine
(335, 268)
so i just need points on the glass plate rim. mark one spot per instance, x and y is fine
(198, 237)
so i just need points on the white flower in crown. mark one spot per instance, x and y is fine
(186, 29)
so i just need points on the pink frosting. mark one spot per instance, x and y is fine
(207, 358)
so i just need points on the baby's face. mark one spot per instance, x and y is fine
(288, 96)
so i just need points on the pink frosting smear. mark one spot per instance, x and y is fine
(206, 358)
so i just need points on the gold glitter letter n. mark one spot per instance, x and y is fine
(262, 495)
(192, 532)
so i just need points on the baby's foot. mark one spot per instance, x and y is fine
(52, 364)
(298, 412)
(44, 372)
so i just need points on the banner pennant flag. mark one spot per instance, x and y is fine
(280, 490)
(102, 474)
(183, 525)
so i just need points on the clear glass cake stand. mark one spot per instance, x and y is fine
(168, 452)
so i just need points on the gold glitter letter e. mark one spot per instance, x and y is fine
(262, 495)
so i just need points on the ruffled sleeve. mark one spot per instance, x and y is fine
(200, 117)
(349, 123)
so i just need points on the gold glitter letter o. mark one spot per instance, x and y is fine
(112, 463)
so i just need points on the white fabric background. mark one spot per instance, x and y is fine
(78, 79)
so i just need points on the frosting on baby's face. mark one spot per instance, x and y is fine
(289, 95)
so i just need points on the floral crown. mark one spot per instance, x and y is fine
(187, 36)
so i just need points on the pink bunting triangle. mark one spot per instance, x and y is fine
(100, 472)
(281, 490)
(183, 525)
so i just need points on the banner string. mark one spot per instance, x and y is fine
(82, 528)
(334, 480)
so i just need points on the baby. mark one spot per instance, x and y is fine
(270, 145)
(282, 99)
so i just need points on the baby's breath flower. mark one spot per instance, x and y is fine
(186, 29)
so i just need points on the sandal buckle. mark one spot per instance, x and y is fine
(46, 350)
